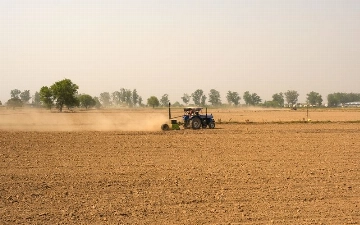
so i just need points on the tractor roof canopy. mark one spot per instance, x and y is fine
(192, 108)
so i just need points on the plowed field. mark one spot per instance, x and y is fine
(120, 168)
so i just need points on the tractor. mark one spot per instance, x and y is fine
(191, 119)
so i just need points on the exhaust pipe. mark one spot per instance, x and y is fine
(169, 112)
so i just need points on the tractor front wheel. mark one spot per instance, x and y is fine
(165, 127)
(196, 123)
(211, 125)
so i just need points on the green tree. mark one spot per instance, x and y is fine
(251, 99)
(36, 99)
(135, 97)
(214, 97)
(353, 97)
(86, 101)
(319, 100)
(105, 99)
(64, 93)
(272, 104)
(140, 101)
(291, 97)
(233, 98)
(123, 95)
(46, 97)
(14, 102)
(343, 97)
(128, 98)
(176, 104)
(247, 98)
(97, 103)
(0, 103)
(196, 96)
(25, 96)
(116, 97)
(255, 99)
(314, 98)
(335, 99)
(203, 100)
(186, 98)
(164, 101)
(278, 100)
(153, 101)
(15, 93)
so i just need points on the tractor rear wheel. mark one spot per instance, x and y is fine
(196, 123)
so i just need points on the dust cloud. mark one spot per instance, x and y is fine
(92, 120)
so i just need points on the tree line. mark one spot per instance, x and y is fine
(64, 93)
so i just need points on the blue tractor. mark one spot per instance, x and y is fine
(192, 118)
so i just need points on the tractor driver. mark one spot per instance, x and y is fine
(191, 112)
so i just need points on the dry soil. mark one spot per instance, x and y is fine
(94, 168)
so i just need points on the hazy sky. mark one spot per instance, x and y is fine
(178, 46)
